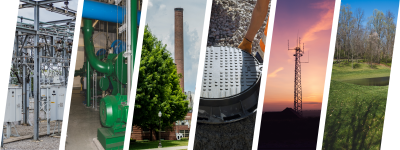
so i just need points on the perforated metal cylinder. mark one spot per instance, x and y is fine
(230, 85)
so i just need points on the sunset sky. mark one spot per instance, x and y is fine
(312, 21)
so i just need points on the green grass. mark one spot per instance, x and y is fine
(345, 72)
(355, 113)
(154, 144)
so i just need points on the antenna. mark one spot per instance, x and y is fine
(299, 42)
(297, 38)
(298, 94)
(308, 58)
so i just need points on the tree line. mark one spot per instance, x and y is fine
(370, 42)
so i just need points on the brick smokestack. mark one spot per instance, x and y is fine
(179, 45)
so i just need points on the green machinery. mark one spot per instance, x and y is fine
(103, 81)
(114, 107)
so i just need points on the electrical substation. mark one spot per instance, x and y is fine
(104, 67)
(39, 72)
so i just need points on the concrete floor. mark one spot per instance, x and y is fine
(82, 125)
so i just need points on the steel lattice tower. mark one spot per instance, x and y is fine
(298, 96)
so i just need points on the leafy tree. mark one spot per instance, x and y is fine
(158, 88)
(372, 41)
(377, 23)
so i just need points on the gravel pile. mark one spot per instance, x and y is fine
(45, 143)
(236, 135)
(229, 22)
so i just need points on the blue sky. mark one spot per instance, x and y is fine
(369, 5)
(160, 18)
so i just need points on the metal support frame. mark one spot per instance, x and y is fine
(24, 34)
(25, 99)
(94, 88)
(298, 91)
(36, 79)
(48, 110)
(10, 125)
(87, 83)
(44, 4)
(298, 95)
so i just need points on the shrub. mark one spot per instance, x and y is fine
(357, 65)
(184, 139)
(132, 141)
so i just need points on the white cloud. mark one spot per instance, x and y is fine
(275, 73)
(162, 6)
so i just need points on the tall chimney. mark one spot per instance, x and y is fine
(179, 45)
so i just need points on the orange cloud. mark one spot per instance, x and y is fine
(325, 23)
(274, 74)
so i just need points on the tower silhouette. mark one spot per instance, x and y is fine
(298, 93)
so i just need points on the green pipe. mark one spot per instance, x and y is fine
(134, 32)
(87, 83)
(100, 66)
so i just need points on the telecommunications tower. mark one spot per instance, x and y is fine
(298, 97)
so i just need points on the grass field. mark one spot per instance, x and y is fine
(345, 72)
(355, 114)
(154, 144)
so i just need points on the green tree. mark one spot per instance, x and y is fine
(377, 25)
(158, 87)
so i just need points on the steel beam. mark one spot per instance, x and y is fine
(28, 2)
(50, 1)
(24, 87)
(36, 88)
(25, 30)
(61, 21)
(59, 10)
(26, 6)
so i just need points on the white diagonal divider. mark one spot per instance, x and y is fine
(270, 30)
(328, 75)
(391, 125)
(200, 69)
(138, 55)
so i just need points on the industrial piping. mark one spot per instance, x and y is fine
(103, 67)
(113, 108)
(100, 66)
(108, 12)
(132, 42)
(102, 11)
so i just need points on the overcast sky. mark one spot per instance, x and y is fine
(45, 15)
(160, 18)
